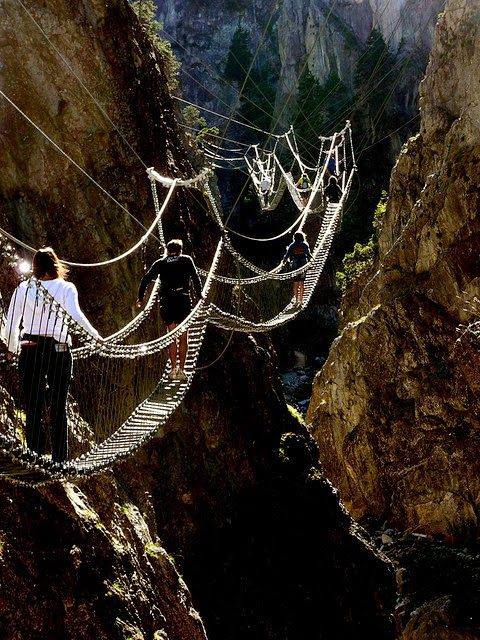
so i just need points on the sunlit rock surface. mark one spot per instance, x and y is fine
(395, 408)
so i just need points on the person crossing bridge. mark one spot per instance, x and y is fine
(35, 326)
(298, 255)
(177, 274)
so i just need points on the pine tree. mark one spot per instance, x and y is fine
(258, 83)
(320, 110)
(374, 82)
(146, 11)
(239, 57)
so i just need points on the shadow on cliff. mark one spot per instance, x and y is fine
(239, 498)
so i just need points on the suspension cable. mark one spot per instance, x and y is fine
(105, 263)
(220, 115)
(63, 153)
(80, 81)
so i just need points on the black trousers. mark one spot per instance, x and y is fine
(46, 374)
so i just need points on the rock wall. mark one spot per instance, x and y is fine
(329, 34)
(239, 498)
(233, 490)
(43, 197)
(439, 588)
(395, 408)
(80, 563)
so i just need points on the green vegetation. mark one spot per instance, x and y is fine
(375, 79)
(146, 11)
(239, 57)
(370, 104)
(355, 262)
(153, 550)
(295, 413)
(362, 256)
(374, 116)
(115, 588)
(258, 82)
(193, 118)
(320, 110)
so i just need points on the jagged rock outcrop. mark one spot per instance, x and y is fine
(240, 500)
(81, 563)
(234, 489)
(395, 408)
(330, 33)
(438, 586)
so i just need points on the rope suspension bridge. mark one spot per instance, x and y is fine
(95, 414)
(121, 393)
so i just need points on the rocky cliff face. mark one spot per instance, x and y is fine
(44, 198)
(234, 489)
(395, 408)
(330, 35)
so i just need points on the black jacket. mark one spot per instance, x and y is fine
(176, 274)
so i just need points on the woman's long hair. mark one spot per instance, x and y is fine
(47, 263)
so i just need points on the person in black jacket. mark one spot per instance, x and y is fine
(298, 255)
(177, 274)
(333, 192)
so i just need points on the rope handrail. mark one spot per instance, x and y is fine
(154, 411)
(226, 240)
(190, 182)
(221, 148)
(331, 221)
(111, 349)
(262, 275)
(156, 407)
(305, 209)
(274, 274)
(26, 466)
(131, 326)
(110, 261)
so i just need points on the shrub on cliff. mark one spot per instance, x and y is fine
(362, 256)
(146, 11)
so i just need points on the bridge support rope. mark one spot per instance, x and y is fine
(153, 410)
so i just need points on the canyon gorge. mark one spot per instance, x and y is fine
(244, 520)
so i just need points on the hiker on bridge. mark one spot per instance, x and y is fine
(265, 185)
(36, 326)
(333, 192)
(304, 186)
(298, 255)
(177, 274)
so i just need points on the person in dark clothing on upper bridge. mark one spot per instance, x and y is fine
(333, 192)
(177, 274)
(298, 255)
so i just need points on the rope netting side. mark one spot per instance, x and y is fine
(104, 395)
(315, 268)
